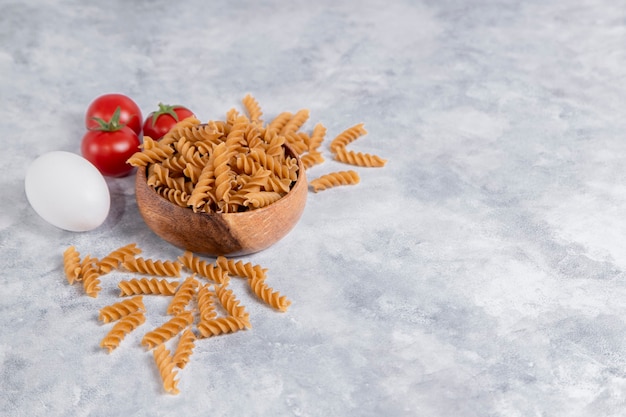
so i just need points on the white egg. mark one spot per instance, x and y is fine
(67, 191)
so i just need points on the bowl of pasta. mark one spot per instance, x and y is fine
(213, 193)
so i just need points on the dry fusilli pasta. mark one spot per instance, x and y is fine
(116, 311)
(167, 330)
(71, 264)
(334, 179)
(115, 258)
(184, 348)
(146, 286)
(165, 365)
(119, 331)
(183, 296)
(148, 266)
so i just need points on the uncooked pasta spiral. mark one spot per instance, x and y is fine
(223, 173)
(298, 141)
(115, 258)
(222, 325)
(317, 136)
(311, 159)
(146, 286)
(119, 331)
(334, 179)
(184, 349)
(252, 108)
(204, 187)
(71, 264)
(347, 136)
(295, 122)
(116, 311)
(279, 122)
(148, 266)
(230, 303)
(206, 304)
(160, 176)
(205, 269)
(183, 295)
(241, 269)
(177, 197)
(165, 365)
(167, 330)
(359, 158)
(261, 198)
(268, 295)
(91, 276)
(150, 155)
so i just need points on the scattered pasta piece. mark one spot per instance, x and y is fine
(167, 330)
(115, 258)
(71, 264)
(90, 276)
(359, 159)
(148, 266)
(334, 179)
(183, 296)
(268, 295)
(165, 365)
(116, 311)
(146, 286)
(119, 331)
(222, 325)
(184, 348)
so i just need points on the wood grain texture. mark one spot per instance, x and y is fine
(228, 234)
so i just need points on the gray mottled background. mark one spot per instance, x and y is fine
(480, 273)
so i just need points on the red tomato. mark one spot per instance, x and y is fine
(109, 146)
(159, 122)
(103, 107)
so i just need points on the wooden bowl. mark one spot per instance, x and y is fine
(228, 234)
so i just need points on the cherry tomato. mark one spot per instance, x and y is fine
(103, 107)
(159, 122)
(109, 146)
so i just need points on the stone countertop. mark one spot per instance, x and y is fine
(479, 273)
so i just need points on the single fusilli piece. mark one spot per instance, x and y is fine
(147, 286)
(148, 266)
(165, 365)
(116, 311)
(296, 122)
(277, 124)
(71, 264)
(184, 349)
(268, 295)
(230, 303)
(119, 331)
(167, 330)
(183, 295)
(152, 152)
(206, 304)
(91, 276)
(222, 325)
(205, 269)
(261, 198)
(311, 159)
(241, 269)
(115, 258)
(334, 179)
(347, 136)
(359, 158)
(317, 137)
(252, 108)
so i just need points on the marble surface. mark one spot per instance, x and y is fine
(480, 273)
